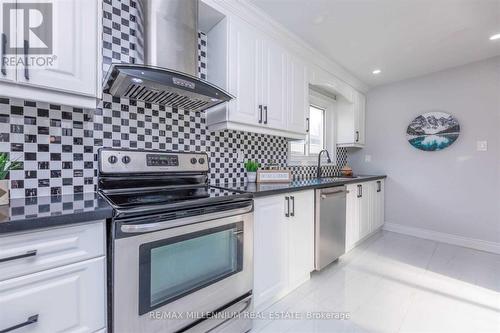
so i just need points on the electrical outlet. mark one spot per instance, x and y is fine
(368, 158)
(482, 145)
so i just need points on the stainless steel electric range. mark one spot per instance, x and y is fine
(180, 251)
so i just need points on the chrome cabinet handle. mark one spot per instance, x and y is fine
(4, 47)
(31, 253)
(292, 198)
(360, 191)
(308, 124)
(260, 113)
(265, 112)
(31, 320)
(287, 211)
(26, 66)
(357, 136)
(379, 186)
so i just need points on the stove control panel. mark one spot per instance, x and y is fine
(162, 160)
(120, 161)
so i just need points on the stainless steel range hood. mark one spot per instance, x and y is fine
(171, 61)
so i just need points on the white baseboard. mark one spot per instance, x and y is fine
(472, 243)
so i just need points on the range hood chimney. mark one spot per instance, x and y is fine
(168, 76)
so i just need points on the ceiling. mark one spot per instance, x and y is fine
(402, 38)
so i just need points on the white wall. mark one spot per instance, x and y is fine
(454, 191)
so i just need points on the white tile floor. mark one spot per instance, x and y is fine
(397, 283)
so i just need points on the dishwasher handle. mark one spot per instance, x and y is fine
(332, 194)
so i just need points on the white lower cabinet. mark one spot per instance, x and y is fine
(364, 211)
(283, 244)
(65, 299)
(37, 251)
(54, 280)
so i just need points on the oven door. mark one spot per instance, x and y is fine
(163, 280)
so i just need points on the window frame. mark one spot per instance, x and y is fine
(326, 103)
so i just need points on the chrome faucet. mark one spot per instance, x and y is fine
(319, 161)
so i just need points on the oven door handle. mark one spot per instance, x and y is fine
(149, 227)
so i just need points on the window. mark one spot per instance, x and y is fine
(316, 137)
(315, 141)
(320, 135)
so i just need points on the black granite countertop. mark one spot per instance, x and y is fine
(264, 189)
(41, 212)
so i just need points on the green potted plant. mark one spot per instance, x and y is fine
(251, 168)
(6, 165)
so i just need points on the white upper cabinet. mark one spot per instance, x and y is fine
(351, 121)
(6, 73)
(273, 69)
(270, 78)
(269, 83)
(243, 73)
(75, 68)
(298, 95)
(71, 74)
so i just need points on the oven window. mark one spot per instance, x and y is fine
(175, 267)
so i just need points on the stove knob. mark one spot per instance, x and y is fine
(126, 159)
(193, 160)
(201, 160)
(112, 159)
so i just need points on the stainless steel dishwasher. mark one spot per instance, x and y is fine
(330, 225)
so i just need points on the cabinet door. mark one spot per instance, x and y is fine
(365, 209)
(244, 55)
(69, 298)
(351, 121)
(41, 250)
(75, 47)
(300, 237)
(270, 249)
(360, 115)
(7, 73)
(298, 96)
(378, 204)
(273, 87)
(352, 222)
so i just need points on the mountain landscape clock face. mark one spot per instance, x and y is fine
(433, 131)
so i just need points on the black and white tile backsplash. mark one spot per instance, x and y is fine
(58, 144)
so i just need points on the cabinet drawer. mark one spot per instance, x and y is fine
(26, 253)
(64, 299)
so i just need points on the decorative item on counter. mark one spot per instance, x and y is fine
(272, 165)
(6, 165)
(433, 131)
(251, 167)
(346, 171)
(274, 176)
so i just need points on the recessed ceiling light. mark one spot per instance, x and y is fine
(495, 37)
(376, 71)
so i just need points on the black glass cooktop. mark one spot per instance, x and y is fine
(168, 196)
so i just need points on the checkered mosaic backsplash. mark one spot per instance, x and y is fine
(57, 144)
